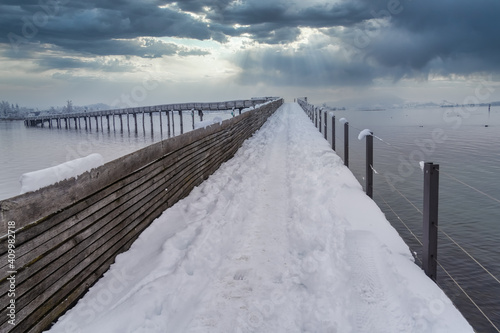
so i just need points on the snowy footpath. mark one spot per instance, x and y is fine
(281, 238)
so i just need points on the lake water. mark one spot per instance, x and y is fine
(454, 138)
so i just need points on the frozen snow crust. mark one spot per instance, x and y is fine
(35, 180)
(280, 239)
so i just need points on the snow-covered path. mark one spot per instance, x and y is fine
(280, 239)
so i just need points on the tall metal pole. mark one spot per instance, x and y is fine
(430, 219)
(333, 132)
(326, 127)
(346, 144)
(369, 165)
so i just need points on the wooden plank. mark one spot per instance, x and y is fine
(96, 239)
(70, 249)
(141, 205)
(71, 299)
(36, 310)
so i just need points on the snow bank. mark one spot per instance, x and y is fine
(281, 238)
(206, 123)
(364, 133)
(35, 180)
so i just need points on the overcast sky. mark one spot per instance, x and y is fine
(129, 53)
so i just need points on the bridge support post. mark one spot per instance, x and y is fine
(430, 219)
(168, 123)
(143, 122)
(161, 122)
(135, 122)
(182, 122)
(151, 119)
(192, 116)
(173, 122)
(107, 120)
(121, 122)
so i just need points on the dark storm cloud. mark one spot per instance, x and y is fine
(83, 23)
(447, 37)
(67, 63)
(65, 23)
(142, 47)
(384, 38)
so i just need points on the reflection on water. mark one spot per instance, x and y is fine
(467, 151)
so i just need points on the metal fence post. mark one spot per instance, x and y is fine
(326, 127)
(430, 219)
(346, 144)
(369, 165)
(319, 116)
(315, 117)
(333, 132)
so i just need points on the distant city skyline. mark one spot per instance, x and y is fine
(132, 53)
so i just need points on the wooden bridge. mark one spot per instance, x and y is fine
(84, 119)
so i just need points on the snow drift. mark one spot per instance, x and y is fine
(35, 180)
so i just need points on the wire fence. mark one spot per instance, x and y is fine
(392, 205)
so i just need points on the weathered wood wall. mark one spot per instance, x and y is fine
(68, 234)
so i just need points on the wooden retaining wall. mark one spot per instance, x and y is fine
(68, 234)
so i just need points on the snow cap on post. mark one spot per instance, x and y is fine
(364, 133)
(343, 120)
